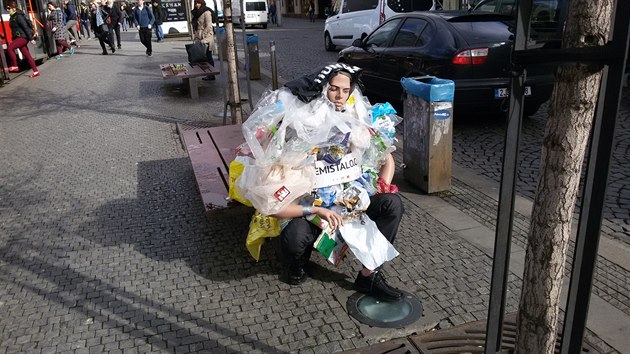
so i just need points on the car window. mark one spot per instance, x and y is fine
(477, 32)
(381, 36)
(426, 35)
(409, 33)
(359, 5)
(486, 6)
(336, 7)
(410, 5)
(255, 6)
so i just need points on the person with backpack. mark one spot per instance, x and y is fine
(84, 16)
(159, 12)
(23, 34)
(144, 22)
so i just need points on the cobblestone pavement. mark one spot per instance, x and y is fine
(104, 247)
(478, 146)
(610, 281)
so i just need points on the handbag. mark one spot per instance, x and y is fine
(104, 28)
(197, 52)
(108, 20)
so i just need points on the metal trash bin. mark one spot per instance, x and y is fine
(428, 132)
(254, 58)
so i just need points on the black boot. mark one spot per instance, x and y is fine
(297, 273)
(375, 285)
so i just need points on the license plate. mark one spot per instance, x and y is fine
(503, 92)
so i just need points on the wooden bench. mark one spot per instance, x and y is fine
(211, 150)
(189, 73)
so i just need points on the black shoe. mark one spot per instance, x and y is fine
(375, 285)
(119, 47)
(113, 50)
(104, 53)
(297, 273)
(149, 54)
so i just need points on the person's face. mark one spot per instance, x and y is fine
(339, 90)
(50, 7)
(11, 10)
(197, 5)
(140, 2)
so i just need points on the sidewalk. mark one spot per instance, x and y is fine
(104, 246)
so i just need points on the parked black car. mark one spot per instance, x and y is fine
(472, 49)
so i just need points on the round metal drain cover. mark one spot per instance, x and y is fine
(385, 314)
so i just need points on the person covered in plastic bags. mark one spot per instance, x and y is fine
(323, 120)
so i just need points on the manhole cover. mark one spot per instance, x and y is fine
(385, 314)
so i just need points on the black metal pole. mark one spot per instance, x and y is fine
(503, 234)
(594, 193)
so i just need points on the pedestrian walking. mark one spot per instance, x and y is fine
(272, 12)
(311, 11)
(144, 22)
(116, 16)
(130, 9)
(84, 20)
(107, 10)
(60, 34)
(203, 32)
(100, 27)
(71, 21)
(23, 34)
(159, 12)
(124, 22)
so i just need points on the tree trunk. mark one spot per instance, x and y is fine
(234, 95)
(569, 124)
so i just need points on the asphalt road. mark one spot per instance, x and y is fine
(478, 138)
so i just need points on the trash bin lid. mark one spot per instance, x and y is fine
(252, 38)
(430, 88)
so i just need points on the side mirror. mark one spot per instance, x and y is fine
(358, 43)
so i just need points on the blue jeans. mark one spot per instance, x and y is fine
(158, 32)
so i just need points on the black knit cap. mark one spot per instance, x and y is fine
(310, 86)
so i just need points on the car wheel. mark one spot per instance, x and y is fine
(330, 46)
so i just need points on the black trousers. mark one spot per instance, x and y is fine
(116, 29)
(145, 38)
(298, 236)
(103, 38)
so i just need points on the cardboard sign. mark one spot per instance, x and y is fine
(326, 174)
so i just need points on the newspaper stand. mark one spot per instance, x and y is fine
(428, 132)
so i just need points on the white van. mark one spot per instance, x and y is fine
(255, 12)
(352, 19)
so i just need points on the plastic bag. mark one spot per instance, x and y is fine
(271, 188)
(367, 243)
(260, 228)
(236, 169)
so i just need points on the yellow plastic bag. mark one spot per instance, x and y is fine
(260, 227)
(236, 169)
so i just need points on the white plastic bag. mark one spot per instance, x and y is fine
(270, 188)
(367, 243)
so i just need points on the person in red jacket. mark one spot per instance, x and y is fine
(22, 35)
